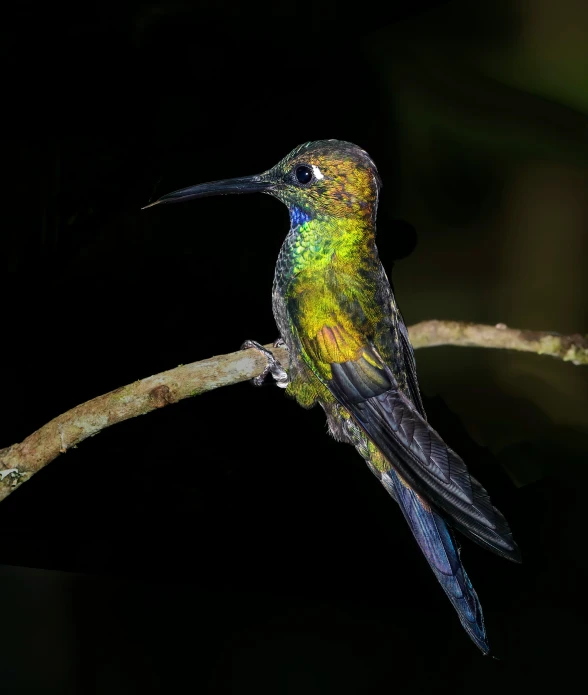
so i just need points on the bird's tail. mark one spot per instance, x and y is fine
(440, 548)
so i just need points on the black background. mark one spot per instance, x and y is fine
(226, 544)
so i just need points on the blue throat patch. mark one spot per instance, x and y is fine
(298, 216)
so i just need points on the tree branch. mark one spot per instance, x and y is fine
(569, 348)
(21, 461)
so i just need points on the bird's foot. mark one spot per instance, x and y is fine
(273, 365)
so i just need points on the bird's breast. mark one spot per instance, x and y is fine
(324, 271)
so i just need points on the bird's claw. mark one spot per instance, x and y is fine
(273, 365)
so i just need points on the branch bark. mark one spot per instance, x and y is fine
(19, 462)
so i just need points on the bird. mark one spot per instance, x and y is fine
(349, 351)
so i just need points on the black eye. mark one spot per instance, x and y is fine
(303, 174)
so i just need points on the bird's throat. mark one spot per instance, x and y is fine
(316, 243)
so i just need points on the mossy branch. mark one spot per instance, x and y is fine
(569, 348)
(20, 461)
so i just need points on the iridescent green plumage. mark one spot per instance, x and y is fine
(349, 351)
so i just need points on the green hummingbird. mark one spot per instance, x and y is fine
(349, 351)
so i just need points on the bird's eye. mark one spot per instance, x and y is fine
(303, 174)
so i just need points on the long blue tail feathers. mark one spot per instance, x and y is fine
(439, 547)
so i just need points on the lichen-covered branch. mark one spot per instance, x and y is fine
(20, 461)
(569, 348)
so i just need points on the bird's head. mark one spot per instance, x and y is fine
(326, 178)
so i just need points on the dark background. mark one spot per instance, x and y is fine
(226, 544)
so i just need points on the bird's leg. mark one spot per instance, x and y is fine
(273, 365)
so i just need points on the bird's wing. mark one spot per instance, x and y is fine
(355, 373)
(407, 356)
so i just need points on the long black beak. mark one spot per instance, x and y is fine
(244, 184)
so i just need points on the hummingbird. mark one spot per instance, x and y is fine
(349, 351)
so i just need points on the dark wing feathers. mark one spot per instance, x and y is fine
(434, 470)
(360, 379)
(410, 368)
(417, 452)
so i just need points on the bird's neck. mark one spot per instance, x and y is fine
(315, 243)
